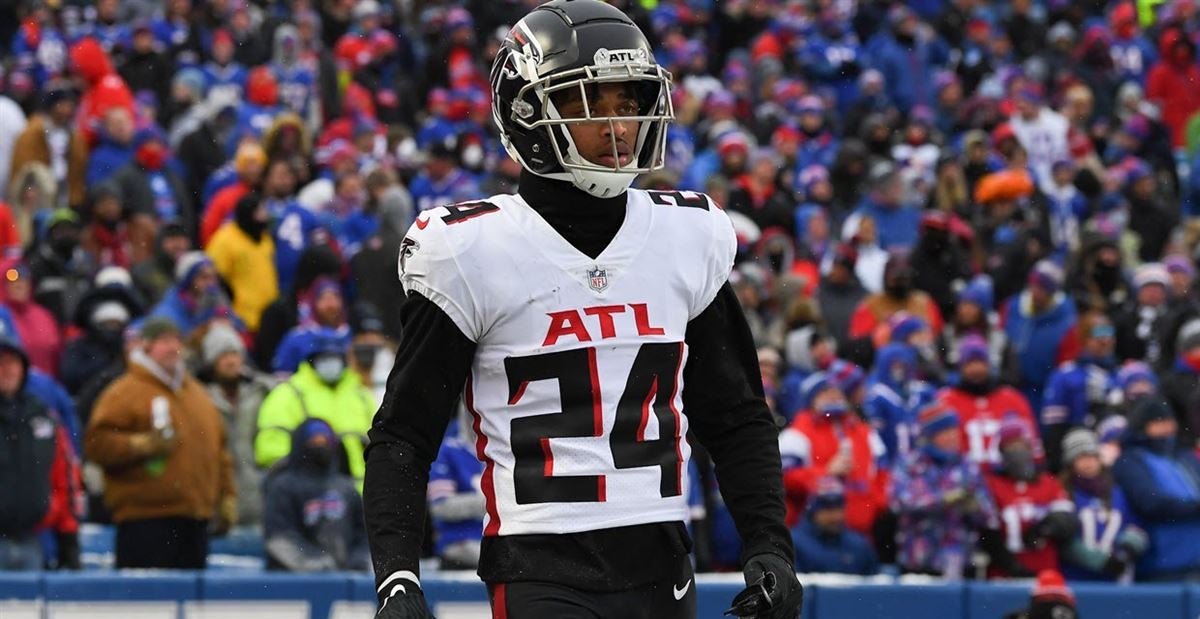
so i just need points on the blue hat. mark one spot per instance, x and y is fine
(846, 376)
(979, 291)
(903, 325)
(936, 417)
(973, 348)
(1133, 372)
(813, 386)
(329, 341)
(830, 493)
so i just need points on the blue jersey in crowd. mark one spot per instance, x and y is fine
(456, 470)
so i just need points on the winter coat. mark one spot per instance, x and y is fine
(891, 405)
(847, 552)
(36, 460)
(200, 153)
(219, 210)
(313, 520)
(1076, 394)
(104, 89)
(837, 305)
(187, 483)
(454, 477)
(1039, 343)
(1153, 222)
(907, 70)
(32, 147)
(248, 266)
(1164, 492)
(877, 308)
(897, 226)
(1109, 523)
(284, 313)
(297, 345)
(807, 446)
(59, 285)
(1172, 87)
(39, 333)
(151, 71)
(1181, 387)
(348, 406)
(240, 416)
(934, 531)
(188, 315)
(160, 195)
(86, 356)
(43, 387)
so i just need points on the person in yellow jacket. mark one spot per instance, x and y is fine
(244, 254)
(324, 387)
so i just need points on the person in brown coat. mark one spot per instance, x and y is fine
(52, 139)
(161, 443)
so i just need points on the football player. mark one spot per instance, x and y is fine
(587, 327)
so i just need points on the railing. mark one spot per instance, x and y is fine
(230, 595)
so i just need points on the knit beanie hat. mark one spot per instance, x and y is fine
(219, 340)
(1079, 442)
(935, 418)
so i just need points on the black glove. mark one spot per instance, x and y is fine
(1116, 565)
(1034, 536)
(772, 590)
(68, 551)
(404, 602)
(1060, 527)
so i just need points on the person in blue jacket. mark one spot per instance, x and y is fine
(196, 297)
(456, 503)
(824, 544)
(1079, 392)
(1039, 323)
(897, 223)
(1109, 541)
(321, 312)
(907, 59)
(894, 396)
(1162, 484)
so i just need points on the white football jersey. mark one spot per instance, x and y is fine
(576, 387)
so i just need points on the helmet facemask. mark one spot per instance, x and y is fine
(651, 88)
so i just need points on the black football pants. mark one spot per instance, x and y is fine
(671, 598)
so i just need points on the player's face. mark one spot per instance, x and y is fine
(596, 141)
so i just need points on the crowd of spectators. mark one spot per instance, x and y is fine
(968, 241)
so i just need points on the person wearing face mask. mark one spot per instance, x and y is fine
(1080, 392)
(151, 192)
(102, 315)
(244, 255)
(940, 265)
(940, 499)
(324, 387)
(824, 544)
(168, 476)
(1040, 326)
(807, 350)
(1109, 543)
(981, 402)
(1037, 517)
(59, 265)
(1100, 281)
(313, 514)
(894, 395)
(1161, 480)
(1181, 383)
(899, 294)
(238, 391)
(321, 308)
(828, 440)
(1140, 322)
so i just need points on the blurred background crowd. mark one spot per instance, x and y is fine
(968, 241)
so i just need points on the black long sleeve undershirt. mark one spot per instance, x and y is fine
(722, 398)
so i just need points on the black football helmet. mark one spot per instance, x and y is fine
(568, 44)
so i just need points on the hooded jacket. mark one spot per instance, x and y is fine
(197, 473)
(105, 88)
(247, 265)
(37, 464)
(314, 516)
(845, 552)
(240, 415)
(892, 401)
(32, 147)
(1039, 343)
(1171, 85)
(1162, 486)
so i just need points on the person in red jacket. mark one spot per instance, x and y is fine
(982, 403)
(1171, 83)
(827, 439)
(250, 161)
(1036, 515)
(104, 89)
(40, 333)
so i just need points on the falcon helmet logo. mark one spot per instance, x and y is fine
(407, 248)
(597, 279)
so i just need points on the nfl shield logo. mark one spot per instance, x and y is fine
(597, 279)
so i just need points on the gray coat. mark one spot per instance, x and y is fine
(241, 423)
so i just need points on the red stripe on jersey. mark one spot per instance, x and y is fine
(678, 420)
(597, 404)
(487, 483)
(549, 470)
(641, 432)
(597, 413)
(499, 602)
(520, 392)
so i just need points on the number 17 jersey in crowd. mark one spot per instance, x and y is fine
(576, 387)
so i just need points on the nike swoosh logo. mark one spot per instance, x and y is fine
(421, 223)
(679, 593)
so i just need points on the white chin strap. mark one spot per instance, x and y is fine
(602, 184)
